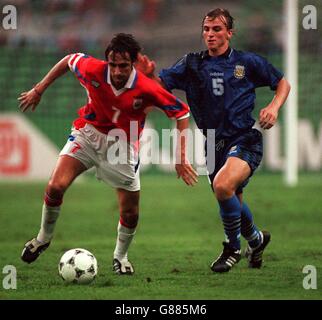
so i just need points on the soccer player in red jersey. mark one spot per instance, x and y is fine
(119, 98)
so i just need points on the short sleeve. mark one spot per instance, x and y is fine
(77, 63)
(172, 106)
(175, 76)
(264, 73)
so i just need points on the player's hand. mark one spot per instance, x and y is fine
(29, 99)
(187, 173)
(268, 117)
(145, 65)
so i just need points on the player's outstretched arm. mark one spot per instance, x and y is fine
(269, 114)
(183, 167)
(31, 98)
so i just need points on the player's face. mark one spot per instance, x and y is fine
(120, 68)
(216, 35)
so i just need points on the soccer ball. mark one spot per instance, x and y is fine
(78, 266)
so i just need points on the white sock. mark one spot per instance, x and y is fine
(123, 241)
(48, 222)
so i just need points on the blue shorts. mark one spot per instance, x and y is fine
(248, 147)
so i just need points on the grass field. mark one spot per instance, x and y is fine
(179, 234)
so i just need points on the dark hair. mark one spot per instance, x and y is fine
(124, 43)
(219, 13)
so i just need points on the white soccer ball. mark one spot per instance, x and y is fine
(78, 266)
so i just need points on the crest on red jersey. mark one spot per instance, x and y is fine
(137, 103)
(95, 83)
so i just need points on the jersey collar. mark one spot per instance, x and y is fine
(226, 54)
(130, 84)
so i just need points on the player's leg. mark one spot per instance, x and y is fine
(248, 228)
(230, 176)
(66, 170)
(257, 240)
(129, 215)
(234, 172)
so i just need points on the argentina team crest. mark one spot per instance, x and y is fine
(137, 103)
(239, 71)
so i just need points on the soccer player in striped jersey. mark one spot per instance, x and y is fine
(220, 85)
(119, 98)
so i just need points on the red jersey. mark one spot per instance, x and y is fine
(108, 108)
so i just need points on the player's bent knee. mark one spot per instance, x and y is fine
(129, 218)
(56, 189)
(223, 190)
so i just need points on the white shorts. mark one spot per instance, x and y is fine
(116, 162)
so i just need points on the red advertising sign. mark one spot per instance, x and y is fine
(14, 149)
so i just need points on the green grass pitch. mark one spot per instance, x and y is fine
(179, 235)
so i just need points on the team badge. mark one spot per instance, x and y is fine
(95, 83)
(137, 103)
(239, 72)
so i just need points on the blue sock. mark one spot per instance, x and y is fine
(230, 211)
(248, 229)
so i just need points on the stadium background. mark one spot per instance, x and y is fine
(167, 29)
(48, 30)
